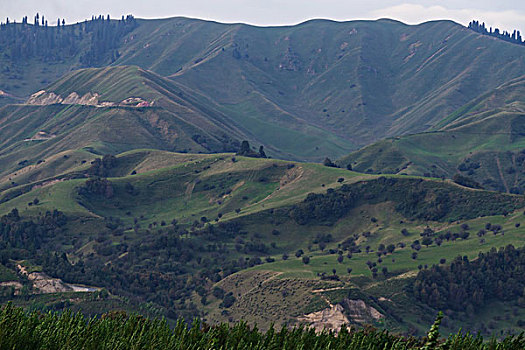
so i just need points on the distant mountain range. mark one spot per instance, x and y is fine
(317, 89)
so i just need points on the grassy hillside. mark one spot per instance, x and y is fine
(335, 75)
(120, 181)
(253, 184)
(116, 109)
(180, 232)
(334, 86)
(306, 293)
(483, 140)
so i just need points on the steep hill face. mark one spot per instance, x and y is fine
(106, 111)
(115, 109)
(484, 140)
(348, 83)
(361, 80)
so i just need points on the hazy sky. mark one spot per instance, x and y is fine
(505, 14)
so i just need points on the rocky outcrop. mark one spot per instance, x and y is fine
(290, 61)
(41, 136)
(134, 102)
(17, 286)
(89, 99)
(44, 98)
(331, 318)
(43, 284)
(335, 316)
(8, 95)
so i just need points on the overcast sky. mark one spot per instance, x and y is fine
(505, 14)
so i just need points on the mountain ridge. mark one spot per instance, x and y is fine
(359, 81)
(484, 139)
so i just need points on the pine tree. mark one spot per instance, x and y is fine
(433, 334)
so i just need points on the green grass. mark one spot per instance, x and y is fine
(294, 267)
(61, 196)
(487, 130)
(255, 185)
(187, 187)
(304, 92)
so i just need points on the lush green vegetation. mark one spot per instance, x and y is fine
(98, 212)
(411, 198)
(481, 144)
(380, 80)
(189, 235)
(20, 330)
(464, 284)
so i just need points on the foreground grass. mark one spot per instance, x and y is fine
(21, 330)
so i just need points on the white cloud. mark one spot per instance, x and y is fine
(414, 13)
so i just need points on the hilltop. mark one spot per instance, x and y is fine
(349, 83)
(192, 234)
(483, 140)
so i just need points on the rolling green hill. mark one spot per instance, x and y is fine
(118, 181)
(116, 109)
(192, 234)
(307, 91)
(484, 140)
(361, 80)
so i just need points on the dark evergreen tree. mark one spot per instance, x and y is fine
(328, 162)
(496, 275)
(244, 149)
(53, 44)
(514, 38)
(261, 152)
